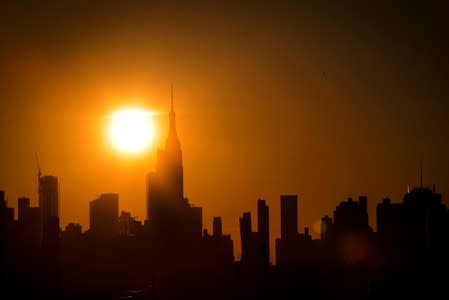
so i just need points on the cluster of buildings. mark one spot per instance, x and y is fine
(173, 239)
(35, 226)
(408, 233)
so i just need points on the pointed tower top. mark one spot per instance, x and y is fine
(172, 141)
(172, 106)
(420, 174)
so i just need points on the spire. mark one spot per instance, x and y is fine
(172, 107)
(420, 174)
(172, 138)
(171, 115)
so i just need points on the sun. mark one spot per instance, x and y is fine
(131, 130)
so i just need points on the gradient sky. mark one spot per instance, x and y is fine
(326, 100)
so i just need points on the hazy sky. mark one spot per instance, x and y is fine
(326, 100)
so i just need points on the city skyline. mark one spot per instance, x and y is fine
(171, 253)
(231, 224)
(323, 100)
(260, 117)
(169, 163)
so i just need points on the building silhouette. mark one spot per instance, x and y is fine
(49, 196)
(51, 235)
(289, 216)
(350, 215)
(293, 248)
(6, 213)
(103, 215)
(348, 237)
(23, 203)
(5, 222)
(326, 224)
(247, 240)
(414, 230)
(170, 215)
(263, 227)
(48, 199)
(217, 226)
(218, 248)
(29, 224)
(72, 232)
(129, 225)
(255, 245)
(286, 246)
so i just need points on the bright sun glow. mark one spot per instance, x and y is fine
(131, 130)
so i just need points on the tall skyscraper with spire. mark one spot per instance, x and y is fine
(169, 213)
(170, 159)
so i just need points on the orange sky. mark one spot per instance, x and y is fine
(323, 101)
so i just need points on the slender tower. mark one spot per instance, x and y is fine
(170, 162)
(165, 190)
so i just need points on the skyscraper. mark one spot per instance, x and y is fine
(351, 214)
(289, 216)
(103, 214)
(169, 213)
(246, 235)
(217, 227)
(48, 197)
(294, 248)
(23, 205)
(6, 213)
(263, 227)
(217, 248)
(255, 245)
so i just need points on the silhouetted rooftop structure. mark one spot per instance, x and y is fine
(294, 249)
(416, 229)
(48, 197)
(170, 215)
(289, 216)
(23, 205)
(103, 214)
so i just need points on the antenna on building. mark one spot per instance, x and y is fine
(171, 103)
(420, 174)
